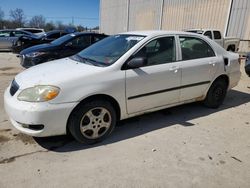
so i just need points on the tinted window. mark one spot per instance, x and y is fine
(217, 35)
(159, 51)
(81, 42)
(194, 48)
(97, 38)
(18, 33)
(33, 30)
(208, 34)
(4, 33)
(53, 36)
(63, 39)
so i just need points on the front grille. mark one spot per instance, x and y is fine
(13, 88)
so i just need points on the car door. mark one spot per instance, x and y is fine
(199, 64)
(4, 39)
(157, 83)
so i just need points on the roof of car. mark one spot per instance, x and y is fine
(27, 32)
(22, 28)
(12, 30)
(153, 33)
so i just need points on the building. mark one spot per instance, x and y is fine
(231, 17)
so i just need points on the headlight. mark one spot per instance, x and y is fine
(39, 93)
(35, 54)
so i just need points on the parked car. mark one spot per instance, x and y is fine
(121, 76)
(228, 43)
(65, 46)
(247, 64)
(27, 41)
(9, 36)
(35, 31)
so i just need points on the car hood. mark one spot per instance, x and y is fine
(39, 48)
(57, 73)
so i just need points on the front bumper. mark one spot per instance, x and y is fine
(28, 62)
(53, 117)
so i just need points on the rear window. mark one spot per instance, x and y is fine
(194, 48)
(34, 31)
(217, 35)
(208, 34)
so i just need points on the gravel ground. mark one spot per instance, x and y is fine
(185, 146)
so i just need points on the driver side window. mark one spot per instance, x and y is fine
(81, 42)
(159, 51)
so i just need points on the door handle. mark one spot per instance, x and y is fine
(174, 68)
(212, 63)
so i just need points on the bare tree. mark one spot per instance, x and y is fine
(60, 25)
(37, 21)
(80, 28)
(1, 14)
(17, 17)
(49, 26)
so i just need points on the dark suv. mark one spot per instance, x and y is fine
(30, 40)
(65, 46)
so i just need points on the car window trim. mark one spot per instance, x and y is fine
(192, 36)
(124, 67)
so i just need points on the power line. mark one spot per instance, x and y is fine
(66, 17)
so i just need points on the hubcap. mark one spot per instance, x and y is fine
(95, 122)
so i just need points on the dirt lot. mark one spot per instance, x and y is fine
(186, 146)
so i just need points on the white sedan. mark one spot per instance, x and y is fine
(119, 77)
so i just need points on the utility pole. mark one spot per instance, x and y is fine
(161, 15)
(128, 7)
(72, 21)
(228, 18)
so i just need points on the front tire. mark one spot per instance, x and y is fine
(92, 122)
(216, 94)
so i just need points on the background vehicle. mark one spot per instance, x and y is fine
(36, 31)
(62, 47)
(228, 43)
(119, 77)
(247, 64)
(27, 41)
(9, 36)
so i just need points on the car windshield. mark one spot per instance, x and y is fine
(108, 50)
(63, 39)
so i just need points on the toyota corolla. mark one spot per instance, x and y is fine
(119, 77)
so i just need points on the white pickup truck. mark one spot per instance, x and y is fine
(228, 43)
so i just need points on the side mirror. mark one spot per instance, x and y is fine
(137, 62)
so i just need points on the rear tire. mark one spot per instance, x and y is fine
(92, 122)
(231, 48)
(216, 94)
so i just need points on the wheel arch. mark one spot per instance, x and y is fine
(231, 47)
(103, 97)
(222, 77)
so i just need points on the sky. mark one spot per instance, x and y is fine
(83, 12)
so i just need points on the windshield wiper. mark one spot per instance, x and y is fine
(79, 58)
(94, 62)
(87, 60)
